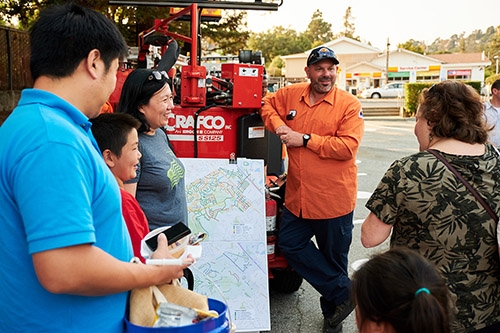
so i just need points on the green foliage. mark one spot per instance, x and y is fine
(131, 20)
(27, 11)
(414, 46)
(492, 79)
(282, 41)
(276, 66)
(413, 90)
(225, 37)
(493, 46)
(477, 41)
(279, 41)
(230, 34)
(318, 31)
(493, 49)
(349, 28)
(474, 84)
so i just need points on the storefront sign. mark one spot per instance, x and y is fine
(459, 72)
(413, 68)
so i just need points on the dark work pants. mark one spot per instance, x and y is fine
(323, 266)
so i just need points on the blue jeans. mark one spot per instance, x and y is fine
(323, 266)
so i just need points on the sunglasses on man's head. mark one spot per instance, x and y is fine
(158, 75)
(320, 54)
(324, 53)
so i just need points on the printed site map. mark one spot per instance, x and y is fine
(227, 202)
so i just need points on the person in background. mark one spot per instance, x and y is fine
(265, 84)
(429, 210)
(117, 138)
(65, 247)
(107, 107)
(399, 291)
(321, 127)
(159, 186)
(492, 113)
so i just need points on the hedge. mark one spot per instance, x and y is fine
(413, 90)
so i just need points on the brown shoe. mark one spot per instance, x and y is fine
(330, 329)
(341, 313)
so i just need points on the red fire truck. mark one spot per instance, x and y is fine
(216, 114)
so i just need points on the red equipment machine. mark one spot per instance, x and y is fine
(216, 116)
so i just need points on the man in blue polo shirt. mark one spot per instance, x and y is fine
(65, 247)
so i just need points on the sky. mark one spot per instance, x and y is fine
(377, 21)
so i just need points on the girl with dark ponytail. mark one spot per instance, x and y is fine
(399, 291)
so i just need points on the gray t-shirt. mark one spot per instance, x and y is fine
(160, 182)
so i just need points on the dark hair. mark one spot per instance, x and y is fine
(495, 85)
(385, 290)
(454, 110)
(140, 85)
(64, 35)
(111, 131)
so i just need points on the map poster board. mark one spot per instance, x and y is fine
(227, 201)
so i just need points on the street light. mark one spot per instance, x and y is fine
(496, 64)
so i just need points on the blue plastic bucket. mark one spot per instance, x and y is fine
(213, 325)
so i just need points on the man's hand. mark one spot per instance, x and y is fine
(162, 251)
(289, 137)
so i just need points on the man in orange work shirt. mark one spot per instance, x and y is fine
(322, 127)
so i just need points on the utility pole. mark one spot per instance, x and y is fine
(387, 62)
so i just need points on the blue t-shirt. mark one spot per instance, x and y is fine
(55, 191)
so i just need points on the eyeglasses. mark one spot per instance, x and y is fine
(320, 54)
(157, 75)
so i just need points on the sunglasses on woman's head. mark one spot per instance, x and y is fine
(158, 75)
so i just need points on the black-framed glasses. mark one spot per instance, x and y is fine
(320, 54)
(158, 75)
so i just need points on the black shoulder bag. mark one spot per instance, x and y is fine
(466, 183)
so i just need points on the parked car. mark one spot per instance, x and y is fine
(390, 90)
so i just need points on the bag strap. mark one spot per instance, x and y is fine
(466, 183)
(188, 275)
(158, 295)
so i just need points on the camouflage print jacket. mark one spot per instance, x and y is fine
(432, 212)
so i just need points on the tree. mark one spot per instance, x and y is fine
(461, 43)
(278, 41)
(318, 31)
(131, 20)
(228, 36)
(276, 66)
(414, 46)
(493, 49)
(349, 28)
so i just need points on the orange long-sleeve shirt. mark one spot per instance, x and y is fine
(322, 177)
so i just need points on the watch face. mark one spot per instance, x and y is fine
(305, 138)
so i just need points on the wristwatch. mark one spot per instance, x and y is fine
(305, 139)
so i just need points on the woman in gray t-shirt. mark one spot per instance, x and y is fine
(159, 185)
